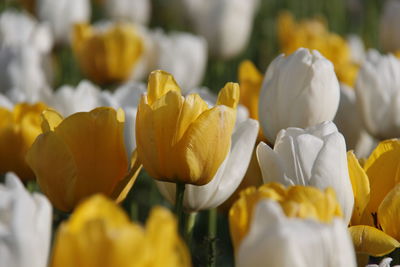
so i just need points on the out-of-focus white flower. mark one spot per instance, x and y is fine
(184, 55)
(226, 24)
(62, 15)
(389, 30)
(384, 263)
(349, 123)
(17, 28)
(357, 48)
(22, 77)
(25, 225)
(68, 100)
(315, 156)
(137, 11)
(277, 240)
(300, 90)
(378, 94)
(228, 176)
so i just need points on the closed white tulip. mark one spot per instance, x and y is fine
(226, 24)
(277, 240)
(137, 11)
(378, 94)
(315, 156)
(184, 55)
(228, 176)
(349, 122)
(389, 26)
(25, 225)
(61, 15)
(299, 90)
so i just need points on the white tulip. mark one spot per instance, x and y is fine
(68, 100)
(226, 24)
(357, 48)
(389, 29)
(62, 15)
(277, 240)
(137, 11)
(228, 176)
(184, 55)
(315, 156)
(22, 77)
(378, 94)
(384, 263)
(349, 123)
(17, 28)
(300, 90)
(25, 225)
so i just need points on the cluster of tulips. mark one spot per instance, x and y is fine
(304, 159)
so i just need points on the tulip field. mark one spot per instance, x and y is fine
(178, 133)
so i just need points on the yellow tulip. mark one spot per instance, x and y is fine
(181, 139)
(376, 186)
(313, 34)
(295, 201)
(18, 130)
(99, 233)
(81, 155)
(250, 80)
(107, 56)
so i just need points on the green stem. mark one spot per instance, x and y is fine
(191, 221)
(212, 235)
(180, 192)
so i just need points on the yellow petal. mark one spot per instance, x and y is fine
(371, 241)
(124, 186)
(389, 213)
(250, 80)
(96, 142)
(54, 168)
(172, 253)
(192, 108)
(205, 145)
(229, 95)
(160, 83)
(310, 202)
(50, 120)
(383, 171)
(360, 185)
(155, 130)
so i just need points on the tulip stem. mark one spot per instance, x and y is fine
(212, 236)
(191, 220)
(180, 192)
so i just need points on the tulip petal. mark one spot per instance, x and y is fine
(51, 119)
(372, 241)
(229, 95)
(49, 173)
(360, 185)
(154, 136)
(271, 164)
(205, 145)
(389, 213)
(383, 170)
(160, 83)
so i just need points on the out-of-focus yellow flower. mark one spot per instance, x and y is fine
(250, 80)
(18, 130)
(296, 201)
(107, 55)
(181, 139)
(313, 34)
(81, 155)
(376, 186)
(99, 233)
